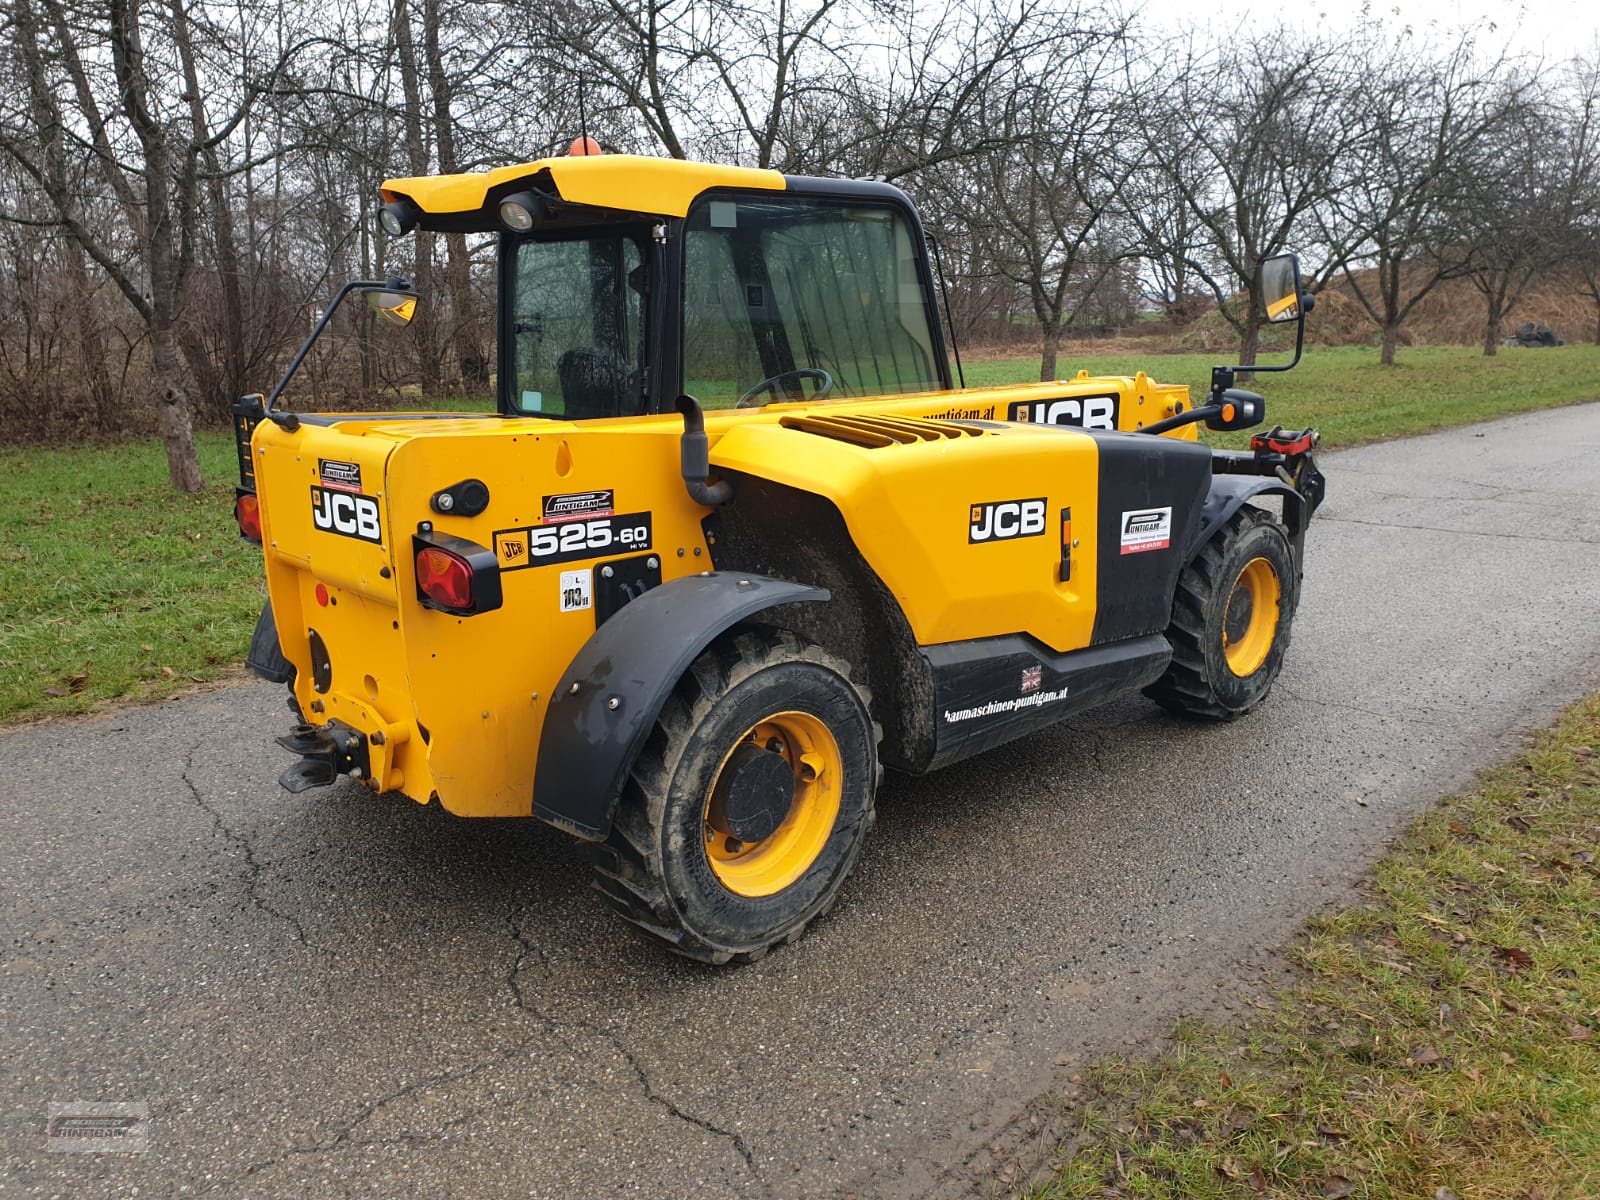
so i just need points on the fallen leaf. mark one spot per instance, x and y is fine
(1258, 1181)
(77, 681)
(1424, 1056)
(169, 672)
(1457, 827)
(147, 648)
(1518, 822)
(1336, 1187)
(1515, 959)
(1225, 1079)
(1580, 1033)
(1443, 1193)
(55, 693)
(1229, 1167)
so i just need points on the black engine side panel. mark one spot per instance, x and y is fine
(1140, 555)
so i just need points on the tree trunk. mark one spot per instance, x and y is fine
(1491, 333)
(1049, 346)
(90, 336)
(470, 362)
(425, 329)
(1250, 340)
(177, 430)
(1391, 339)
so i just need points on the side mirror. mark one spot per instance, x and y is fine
(1239, 410)
(393, 305)
(1278, 282)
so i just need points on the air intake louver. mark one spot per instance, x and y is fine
(875, 432)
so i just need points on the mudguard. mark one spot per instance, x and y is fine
(265, 659)
(609, 698)
(1228, 495)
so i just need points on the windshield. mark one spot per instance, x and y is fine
(576, 327)
(793, 299)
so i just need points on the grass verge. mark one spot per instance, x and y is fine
(1351, 397)
(1439, 1040)
(112, 585)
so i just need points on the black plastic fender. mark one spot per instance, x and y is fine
(609, 698)
(265, 659)
(1228, 495)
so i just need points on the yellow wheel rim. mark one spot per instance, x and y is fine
(765, 867)
(1250, 617)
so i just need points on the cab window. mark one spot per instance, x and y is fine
(799, 299)
(576, 324)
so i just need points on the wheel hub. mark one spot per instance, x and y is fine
(1250, 620)
(753, 794)
(1241, 607)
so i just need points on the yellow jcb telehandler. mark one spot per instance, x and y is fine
(734, 540)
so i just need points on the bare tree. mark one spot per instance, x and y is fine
(94, 91)
(1249, 136)
(1419, 117)
(1040, 210)
(1515, 203)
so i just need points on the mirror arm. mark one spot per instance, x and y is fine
(1222, 378)
(1201, 412)
(269, 407)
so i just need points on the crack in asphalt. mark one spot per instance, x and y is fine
(1346, 706)
(1515, 537)
(253, 869)
(344, 1136)
(527, 950)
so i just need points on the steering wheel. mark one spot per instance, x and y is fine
(747, 398)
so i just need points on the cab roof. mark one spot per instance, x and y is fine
(625, 182)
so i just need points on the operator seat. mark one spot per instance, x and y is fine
(595, 383)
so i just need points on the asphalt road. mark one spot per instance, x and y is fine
(337, 994)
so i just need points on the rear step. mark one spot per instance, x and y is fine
(326, 752)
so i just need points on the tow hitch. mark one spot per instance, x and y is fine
(326, 752)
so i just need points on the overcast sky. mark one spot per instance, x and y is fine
(1554, 28)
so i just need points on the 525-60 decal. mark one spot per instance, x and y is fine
(570, 541)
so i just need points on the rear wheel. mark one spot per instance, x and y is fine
(1231, 619)
(748, 806)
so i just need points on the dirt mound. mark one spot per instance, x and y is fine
(1452, 314)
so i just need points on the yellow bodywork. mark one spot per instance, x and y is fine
(460, 701)
(666, 186)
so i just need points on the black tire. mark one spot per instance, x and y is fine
(1209, 677)
(762, 696)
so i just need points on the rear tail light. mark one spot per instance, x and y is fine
(247, 512)
(444, 578)
(455, 575)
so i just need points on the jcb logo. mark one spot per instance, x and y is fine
(513, 547)
(1001, 520)
(346, 513)
(1085, 412)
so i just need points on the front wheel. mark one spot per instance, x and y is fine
(1231, 618)
(748, 806)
